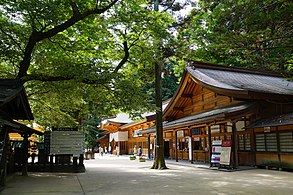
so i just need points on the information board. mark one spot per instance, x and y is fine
(67, 142)
(226, 152)
(47, 140)
(216, 151)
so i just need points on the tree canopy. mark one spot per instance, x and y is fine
(72, 54)
(253, 34)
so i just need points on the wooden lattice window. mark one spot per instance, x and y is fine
(286, 142)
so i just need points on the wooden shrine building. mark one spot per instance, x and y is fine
(124, 132)
(13, 106)
(252, 109)
(117, 138)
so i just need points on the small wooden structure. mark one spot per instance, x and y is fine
(13, 106)
(135, 139)
(216, 103)
(117, 138)
(132, 129)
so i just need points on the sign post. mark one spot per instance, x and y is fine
(66, 141)
(216, 151)
(225, 157)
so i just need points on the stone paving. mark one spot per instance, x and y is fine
(111, 175)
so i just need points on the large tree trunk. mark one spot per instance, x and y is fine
(159, 161)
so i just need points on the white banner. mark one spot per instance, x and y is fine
(190, 151)
(119, 136)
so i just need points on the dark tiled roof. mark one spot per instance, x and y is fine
(209, 115)
(8, 90)
(202, 117)
(13, 100)
(278, 120)
(241, 80)
(18, 127)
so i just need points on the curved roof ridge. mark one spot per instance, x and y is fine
(240, 80)
(206, 65)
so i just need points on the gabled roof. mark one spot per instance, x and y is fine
(121, 118)
(13, 100)
(230, 81)
(239, 80)
(18, 127)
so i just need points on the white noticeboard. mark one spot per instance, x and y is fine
(67, 142)
(226, 152)
(225, 156)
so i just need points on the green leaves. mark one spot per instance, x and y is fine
(73, 56)
(241, 33)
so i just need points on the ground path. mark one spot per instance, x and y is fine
(118, 175)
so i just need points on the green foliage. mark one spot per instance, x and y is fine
(69, 63)
(255, 34)
(91, 129)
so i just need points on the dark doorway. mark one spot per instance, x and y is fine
(166, 149)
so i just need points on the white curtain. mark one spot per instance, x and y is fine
(119, 136)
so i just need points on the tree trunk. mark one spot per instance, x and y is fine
(159, 161)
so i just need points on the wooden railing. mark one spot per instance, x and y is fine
(56, 163)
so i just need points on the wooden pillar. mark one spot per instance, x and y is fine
(149, 146)
(25, 154)
(119, 149)
(81, 158)
(176, 143)
(210, 143)
(253, 147)
(3, 147)
(75, 161)
(234, 146)
(279, 148)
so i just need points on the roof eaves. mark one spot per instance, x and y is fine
(277, 120)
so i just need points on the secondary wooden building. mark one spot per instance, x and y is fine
(124, 132)
(251, 108)
(13, 106)
(117, 138)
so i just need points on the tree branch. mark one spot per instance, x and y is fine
(126, 52)
(37, 36)
(48, 78)
(125, 58)
(135, 40)
(11, 37)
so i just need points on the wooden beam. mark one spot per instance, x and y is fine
(169, 118)
(187, 96)
(179, 109)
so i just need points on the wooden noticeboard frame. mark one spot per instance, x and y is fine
(64, 128)
(67, 142)
(225, 157)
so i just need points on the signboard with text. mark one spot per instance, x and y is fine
(67, 142)
(64, 129)
(226, 152)
(216, 151)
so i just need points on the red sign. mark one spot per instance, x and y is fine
(226, 143)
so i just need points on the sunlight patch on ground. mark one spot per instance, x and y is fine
(167, 174)
(59, 175)
(220, 183)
